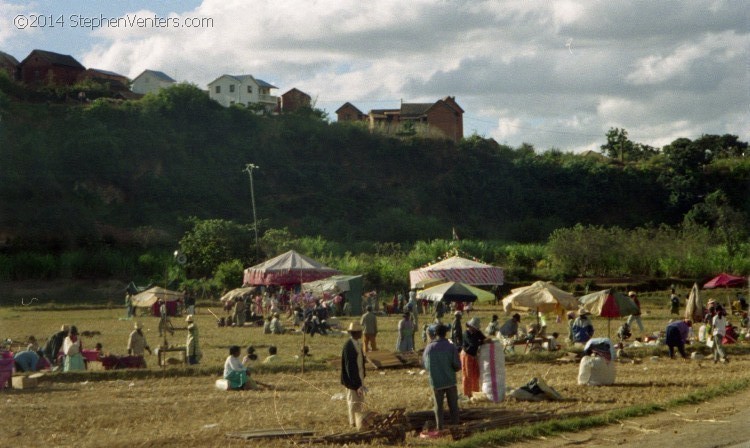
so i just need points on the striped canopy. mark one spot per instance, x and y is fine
(458, 269)
(289, 268)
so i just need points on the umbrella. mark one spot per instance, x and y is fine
(541, 296)
(429, 282)
(694, 308)
(609, 304)
(725, 280)
(238, 292)
(150, 296)
(449, 292)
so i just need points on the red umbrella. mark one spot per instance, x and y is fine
(725, 280)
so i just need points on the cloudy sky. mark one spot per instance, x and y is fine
(553, 74)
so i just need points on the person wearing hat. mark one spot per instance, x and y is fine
(192, 347)
(137, 341)
(54, 344)
(369, 322)
(72, 348)
(457, 330)
(353, 372)
(406, 328)
(582, 328)
(637, 315)
(473, 338)
(441, 362)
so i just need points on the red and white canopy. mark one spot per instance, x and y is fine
(457, 269)
(289, 268)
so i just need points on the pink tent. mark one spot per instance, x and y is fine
(457, 269)
(289, 268)
(725, 280)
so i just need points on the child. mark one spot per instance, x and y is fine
(235, 373)
(272, 357)
(552, 344)
(251, 356)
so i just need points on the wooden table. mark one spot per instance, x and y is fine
(163, 355)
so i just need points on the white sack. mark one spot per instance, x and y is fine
(492, 370)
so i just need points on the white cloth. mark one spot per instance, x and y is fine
(71, 348)
(233, 364)
(719, 325)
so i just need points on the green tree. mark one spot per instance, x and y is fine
(211, 242)
(621, 148)
(717, 214)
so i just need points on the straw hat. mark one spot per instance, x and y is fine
(631, 294)
(189, 318)
(354, 327)
(473, 323)
(138, 325)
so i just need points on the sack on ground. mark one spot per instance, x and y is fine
(492, 370)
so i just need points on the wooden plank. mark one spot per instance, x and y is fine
(272, 433)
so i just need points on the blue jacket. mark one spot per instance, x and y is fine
(441, 362)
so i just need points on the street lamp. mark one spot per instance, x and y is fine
(249, 169)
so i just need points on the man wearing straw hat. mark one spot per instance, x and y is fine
(353, 372)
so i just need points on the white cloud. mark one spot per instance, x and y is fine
(8, 12)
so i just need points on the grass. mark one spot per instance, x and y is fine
(179, 406)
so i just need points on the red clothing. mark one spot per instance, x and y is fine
(469, 373)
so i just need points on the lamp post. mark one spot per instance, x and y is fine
(249, 169)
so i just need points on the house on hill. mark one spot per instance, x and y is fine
(228, 90)
(46, 67)
(293, 100)
(116, 81)
(349, 112)
(9, 65)
(441, 119)
(150, 81)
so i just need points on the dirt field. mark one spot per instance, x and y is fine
(168, 410)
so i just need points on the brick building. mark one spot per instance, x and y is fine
(293, 100)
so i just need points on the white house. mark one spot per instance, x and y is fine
(151, 81)
(242, 89)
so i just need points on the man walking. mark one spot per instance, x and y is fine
(369, 322)
(353, 372)
(441, 363)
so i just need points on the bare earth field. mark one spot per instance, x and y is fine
(165, 409)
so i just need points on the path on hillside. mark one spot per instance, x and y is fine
(722, 422)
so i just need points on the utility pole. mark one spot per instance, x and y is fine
(249, 169)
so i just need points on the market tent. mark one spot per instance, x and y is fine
(458, 269)
(448, 292)
(349, 285)
(244, 293)
(149, 297)
(429, 282)
(540, 296)
(289, 268)
(609, 304)
(694, 307)
(725, 280)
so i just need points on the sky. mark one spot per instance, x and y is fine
(555, 74)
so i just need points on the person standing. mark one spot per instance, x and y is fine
(72, 348)
(192, 347)
(457, 331)
(369, 323)
(674, 301)
(719, 330)
(441, 362)
(637, 315)
(164, 323)
(238, 314)
(137, 344)
(353, 372)
(189, 301)
(582, 328)
(677, 334)
(473, 338)
(406, 328)
(129, 305)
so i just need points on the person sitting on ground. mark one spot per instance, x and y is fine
(272, 356)
(32, 344)
(624, 333)
(235, 373)
(552, 344)
(267, 325)
(582, 328)
(276, 327)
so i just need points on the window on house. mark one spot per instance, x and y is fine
(231, 88)
(249, 89)
(218, 89)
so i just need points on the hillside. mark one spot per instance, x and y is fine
(129, 174)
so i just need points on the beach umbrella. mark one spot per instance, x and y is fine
(449, 292)
(541, 296)
(608, 303)
(694, 307)
(239, 292)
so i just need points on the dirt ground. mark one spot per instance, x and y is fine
(721, 422)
